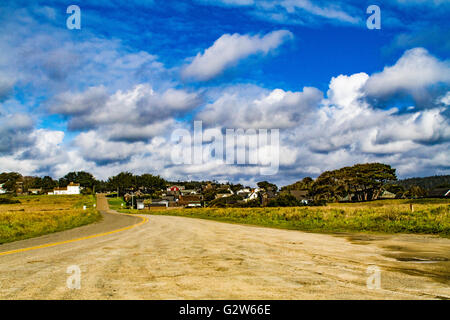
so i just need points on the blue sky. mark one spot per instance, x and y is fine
(107, 98)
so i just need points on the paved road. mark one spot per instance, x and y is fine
(184, 258)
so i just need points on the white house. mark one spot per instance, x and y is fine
(72, 188)
(2, 191)
(253, 195)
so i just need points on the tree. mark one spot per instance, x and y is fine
(284, 200)
(363, 182)
(85, 179)
(46, 183)
(304, 184)
(150, 182)
(123, 181)
(267, 186)
(209, 195)
(9, 179)
(416, 192)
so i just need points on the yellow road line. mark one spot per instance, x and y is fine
(144, 220)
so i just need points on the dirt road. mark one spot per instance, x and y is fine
(183, 258)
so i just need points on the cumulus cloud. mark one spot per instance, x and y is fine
(414, 72)
(15, 132)
(6, 86)
(68, 103)
(229, 49)
(94, 147)
(126, 104)
(141, 110)
(274, 109)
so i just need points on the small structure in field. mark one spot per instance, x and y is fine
(158, 203)
(140, 204)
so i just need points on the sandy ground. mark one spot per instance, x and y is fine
(184, 258)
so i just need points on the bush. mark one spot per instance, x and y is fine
(284, 200)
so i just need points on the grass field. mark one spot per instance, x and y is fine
(115, 203)
(39, 215)
(430, 216)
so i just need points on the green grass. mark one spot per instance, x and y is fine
(115, 203)
(39, 215)
(430, 216)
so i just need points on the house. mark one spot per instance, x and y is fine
(172, 200)
(387, 195)
(72, 188)
(175, 188)
(254, 195)
(140, 204)
(2, 189)
(223, 195)
(35, 190)
(244, 192)
(188, 191)
(267, 196)
(158, 203)
(190, 201)
(207, 187)
(19, 187)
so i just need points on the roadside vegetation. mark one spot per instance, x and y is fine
(430, 216)
(39, 215)
(116, 203)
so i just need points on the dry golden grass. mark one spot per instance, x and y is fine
(430, 216)
(38, 215)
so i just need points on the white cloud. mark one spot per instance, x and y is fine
(330, 12)
(229, 49)
(142, 110)
(412, 73)
(6, 86)
(275, 109)
(294, 11)
(15, 132)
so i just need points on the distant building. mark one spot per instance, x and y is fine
(387, 195)
(244, 193)
(2, 190)
(72, 188)
(188, 191)
(175, 188)
(190, 201)
(34, 190)
(19, 187)
(158, 203)
(140, 204)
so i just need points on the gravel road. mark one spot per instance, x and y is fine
(185, 258)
